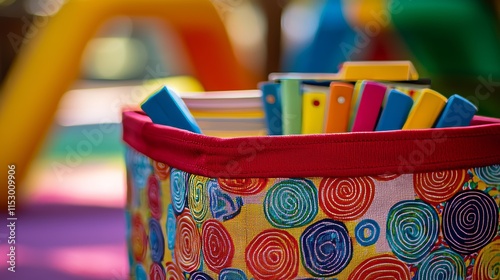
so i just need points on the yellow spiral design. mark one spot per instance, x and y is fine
(198, 199)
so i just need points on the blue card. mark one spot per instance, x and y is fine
(457, 112)
(395, 112)
(271, 101)
(167, 108)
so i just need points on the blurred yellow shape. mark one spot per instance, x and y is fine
(373, 14)
(49, 63)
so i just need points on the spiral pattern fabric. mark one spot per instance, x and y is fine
(198, 197)
(442, 264)
(171, 225)
(291, 203)
(326, 248)
(346, 199)
(412, 229)
(386, 177)
(198, 275)
(156, 272)
(139, 238)
(178, 189)
(140, 272)
(156, 241)
(247, 186)
(470, 221)
(487, 266)
(434, 225)
(161, 170)
(381, 267)
(173, 272)
(139, 166)
(437, 187)
(154, 197)
(273, 254)
(367, 232)
(489, 174)
(232, 274)
(218, 246)
(187, 243)
(222, 206)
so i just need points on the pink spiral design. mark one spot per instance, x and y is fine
(187, 242)
(218, 246)
(273, 254)
(440, 186)
(346, 199)
(156, 272)
(154, 197)
(247, 186)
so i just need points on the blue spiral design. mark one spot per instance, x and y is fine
(128, 221)
(291, 203)
(178, 189)
(200, 276)
(139, 166)
(443, 264)
(222, 206)
(140, 272)
(412, 229)
(232, 274)
(156, 241)
(373, 230)
(489, 174)
(470, 221)
(170, 226)
(326, 248)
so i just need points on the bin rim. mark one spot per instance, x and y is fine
(319, 155)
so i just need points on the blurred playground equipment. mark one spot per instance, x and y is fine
(48, 65)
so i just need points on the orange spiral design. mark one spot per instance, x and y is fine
(187, 243)
(273, 254)
(487, 266)
(440, 186)
(161, 170)
(346, 199)
(173, 272)
(246, 186)
(381, 267)
(139, 238)
(386, 177)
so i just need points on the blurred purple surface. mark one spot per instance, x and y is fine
(56, 241)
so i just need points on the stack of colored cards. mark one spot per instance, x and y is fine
(221, 114)
(368, 98)
(363, 96)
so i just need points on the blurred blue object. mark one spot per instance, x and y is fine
(324, 54)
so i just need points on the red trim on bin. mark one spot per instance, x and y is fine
(336, 155)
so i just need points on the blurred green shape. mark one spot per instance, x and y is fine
(458, 45)
(84, 142)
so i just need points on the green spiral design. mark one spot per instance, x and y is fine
(412, 230)
(291, 203)
(442, 264)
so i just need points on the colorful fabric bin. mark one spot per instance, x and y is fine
(415, 204)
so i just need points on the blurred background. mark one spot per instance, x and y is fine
(71, 201)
